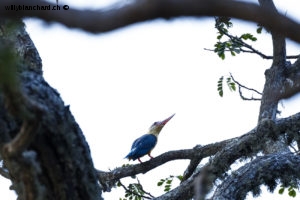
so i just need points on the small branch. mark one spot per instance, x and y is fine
(265, 56)
(250, 89)
(244, 44)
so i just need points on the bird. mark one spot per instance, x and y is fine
(144, 144)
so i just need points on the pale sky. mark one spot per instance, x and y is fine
(117, 84)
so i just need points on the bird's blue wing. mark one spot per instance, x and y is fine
(142, 146)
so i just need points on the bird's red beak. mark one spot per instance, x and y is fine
(166, 120)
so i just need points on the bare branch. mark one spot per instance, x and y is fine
(240, 90)
(143, 10)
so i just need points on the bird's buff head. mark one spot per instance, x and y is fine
(157, 126)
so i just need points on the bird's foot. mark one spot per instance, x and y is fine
(150, 156)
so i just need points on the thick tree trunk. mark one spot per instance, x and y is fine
(44, 151)
(275, 83)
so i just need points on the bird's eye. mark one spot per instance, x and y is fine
(155, 123)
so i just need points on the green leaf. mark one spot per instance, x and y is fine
(167, 188)
(160, 183)
(222, 55)
(221, 93)
(220, 86)
(180, 177)
(259, 29)
(247, 36)
(118, 184)
(292, 193)
(281, 190)
(232, 86)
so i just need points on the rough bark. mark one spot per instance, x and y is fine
(267, 170)
(43, 148)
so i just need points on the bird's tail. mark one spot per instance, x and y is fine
(128, 157)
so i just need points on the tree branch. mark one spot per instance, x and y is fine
(242, 86)
(139, 11)
(267, 170)
(246, 145)
(108, 179)
(263, 55)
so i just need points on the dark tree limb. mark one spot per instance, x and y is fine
(269, 170)
(143, 10)
(108, 179)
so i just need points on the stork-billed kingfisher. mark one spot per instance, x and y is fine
(144, 144)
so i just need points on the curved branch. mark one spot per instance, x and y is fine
(250, 89)
(142, 10)
(265, 170)
(108, 179)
